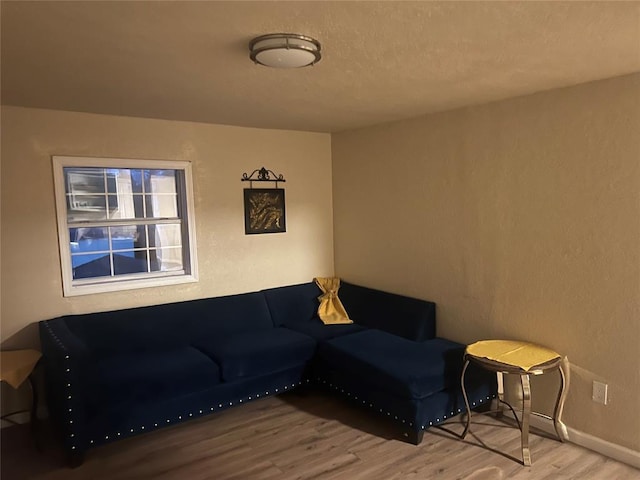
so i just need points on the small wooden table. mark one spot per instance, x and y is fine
(523, 359)
(16, 366)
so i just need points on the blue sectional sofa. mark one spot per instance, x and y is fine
(111, 375)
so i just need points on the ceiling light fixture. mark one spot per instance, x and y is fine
(285, 50)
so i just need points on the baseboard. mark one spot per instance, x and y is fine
(603, 447)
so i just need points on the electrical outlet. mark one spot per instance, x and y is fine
(599, 392)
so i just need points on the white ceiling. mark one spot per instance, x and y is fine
(382, 61)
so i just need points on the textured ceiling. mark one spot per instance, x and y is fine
(382, 61)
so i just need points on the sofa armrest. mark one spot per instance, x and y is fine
(66, 359)
(406, 317)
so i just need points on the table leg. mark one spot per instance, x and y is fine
(466, 400)
(500, 406)
(561, 429)
(526, 411)
(33, 413)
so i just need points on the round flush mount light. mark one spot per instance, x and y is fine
(284, 50)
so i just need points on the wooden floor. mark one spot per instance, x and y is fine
(313, 436)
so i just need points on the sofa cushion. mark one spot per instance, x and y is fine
(228, 315)
(149, 328)
(407, 317)
(318, 330)
(293, 304)
(150, 376)
(170, 326)
(395, 364)
(249, 354)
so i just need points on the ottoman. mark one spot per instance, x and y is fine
(416, 384)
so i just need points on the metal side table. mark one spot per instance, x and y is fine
(16, 366)
(523, 359)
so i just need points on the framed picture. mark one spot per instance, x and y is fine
(264, 211)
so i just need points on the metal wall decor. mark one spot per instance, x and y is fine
(262, 175)
(264, 208)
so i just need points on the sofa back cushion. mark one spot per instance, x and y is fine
(173, 325)
(293, 304)
(404, 316)
(135, 329)
(223, 316)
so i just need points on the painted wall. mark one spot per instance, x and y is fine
(229, 261)
(521, 219)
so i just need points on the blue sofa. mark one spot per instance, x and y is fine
(111, 375)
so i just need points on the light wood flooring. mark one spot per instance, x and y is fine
(314, 436)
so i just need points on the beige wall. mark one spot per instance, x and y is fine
(521, 219)
(229, 260)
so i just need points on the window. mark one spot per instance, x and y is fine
(124, 223)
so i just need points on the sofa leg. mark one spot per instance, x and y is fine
(302, 390)
(483, 407)
(75, 459)
(414, 436)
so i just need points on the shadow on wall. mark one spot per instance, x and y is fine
(28, 337)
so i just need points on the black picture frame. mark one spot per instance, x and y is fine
(264, 211)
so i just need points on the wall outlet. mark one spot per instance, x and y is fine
(600, 392)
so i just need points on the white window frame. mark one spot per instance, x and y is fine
(87, 286)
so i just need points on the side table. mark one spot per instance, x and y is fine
(16, 366)
(523, 359)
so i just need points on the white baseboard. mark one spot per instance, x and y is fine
(603, 447)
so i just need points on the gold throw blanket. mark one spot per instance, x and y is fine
(331, 311)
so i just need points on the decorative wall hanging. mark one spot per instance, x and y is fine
(264, 208)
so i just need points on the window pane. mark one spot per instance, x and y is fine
(113, 205)
(136, 180)
(130, 262)
(167, 260)
(81, 207)
(83, 240)
(90, 192)
(90, 266)
(160, 181)
(124, 206)
(165, 235)
(95, 194)
(85, 180)
(161, 198)
(161, 206)
(128, 237)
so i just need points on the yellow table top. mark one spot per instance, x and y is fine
(523, 355)
(17, 365)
